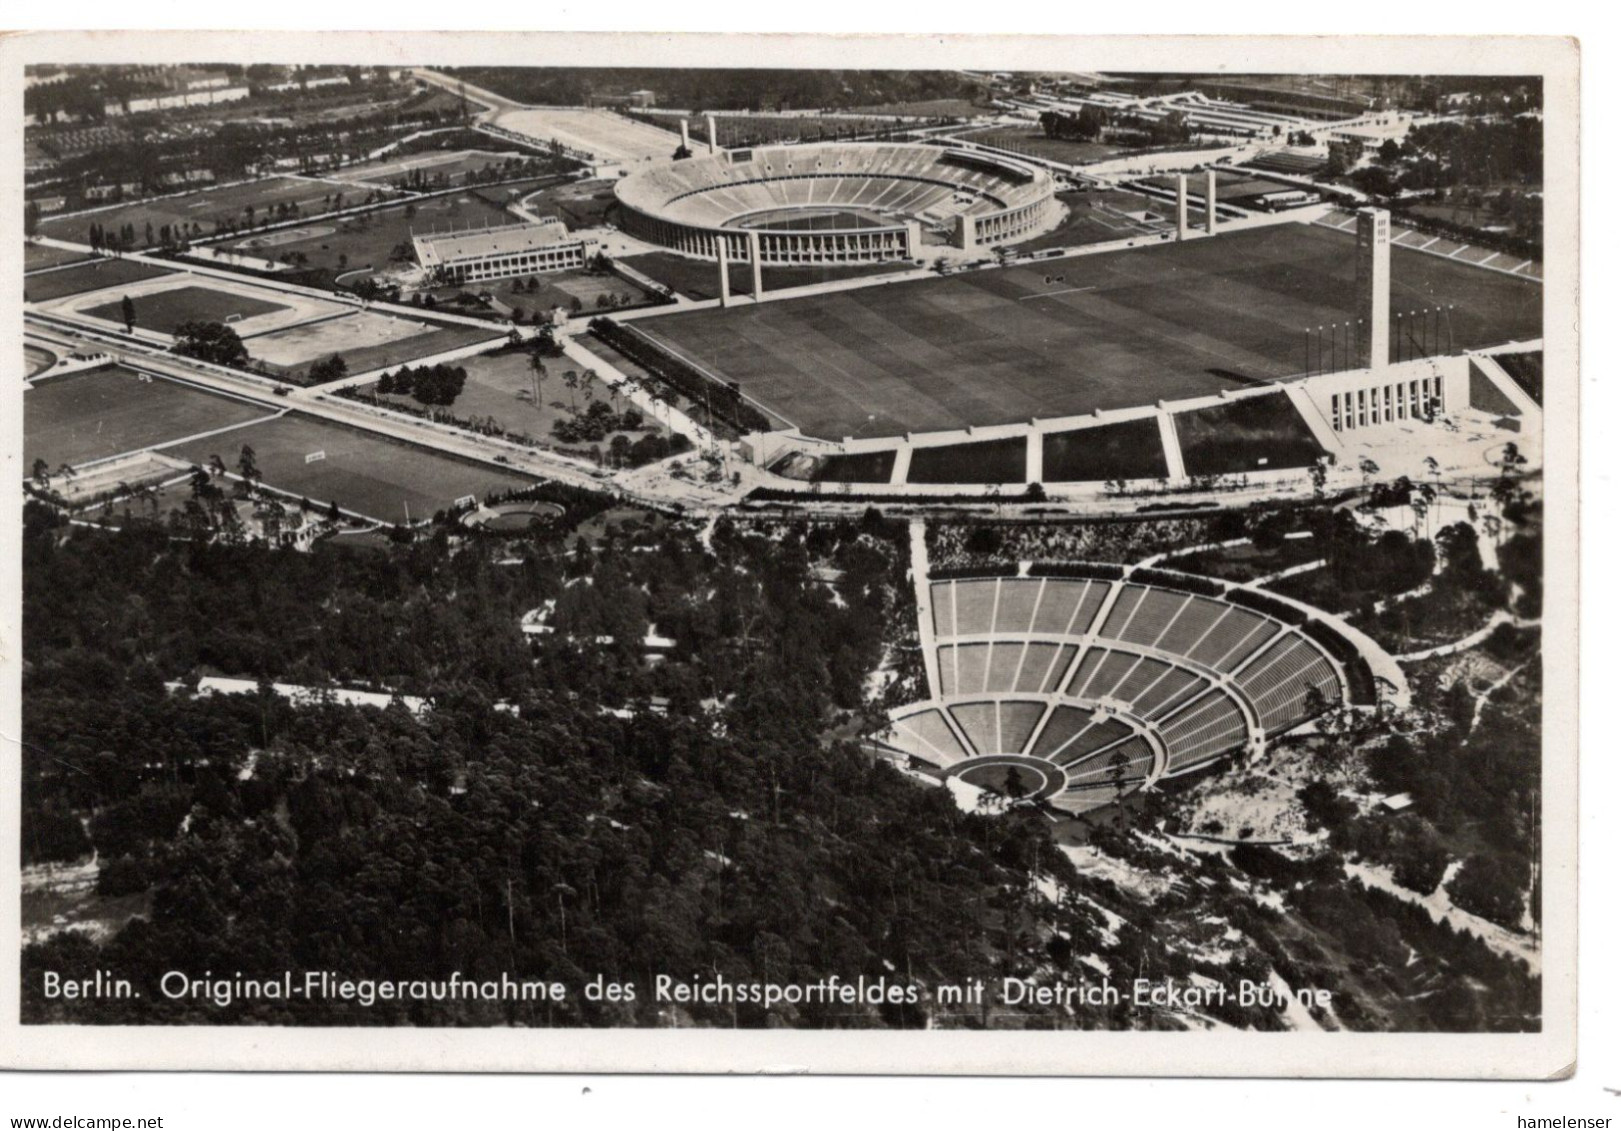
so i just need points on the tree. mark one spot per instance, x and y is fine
(1013, 784)
(1368, 469)
(247, 466)
(212, 342)
(126, 308)
(1319, 476)
(331, 369)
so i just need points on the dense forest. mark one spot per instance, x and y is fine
(695, 88)
(569, 807)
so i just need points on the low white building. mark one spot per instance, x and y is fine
(483, 254)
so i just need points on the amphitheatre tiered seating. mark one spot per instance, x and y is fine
(1116, 682)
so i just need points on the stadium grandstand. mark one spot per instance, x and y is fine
(481, 254)
(1103, 684)
(846, 203)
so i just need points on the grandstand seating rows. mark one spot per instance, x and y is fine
(1092, 674)
(899, 180)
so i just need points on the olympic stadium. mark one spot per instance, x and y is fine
(856, 203)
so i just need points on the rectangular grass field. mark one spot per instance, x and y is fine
(366, 340)
(163, 311)
(37, 256)
(97, 413)
(92, 276)
(698, 279)
(1122, 329)
(205, 208)
(362, 472)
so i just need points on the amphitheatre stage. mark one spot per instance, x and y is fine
(1090, 682)
(1064, 337)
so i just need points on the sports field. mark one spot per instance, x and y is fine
(362, 472)
(1032, 141)
(37, 256)
(500, 390)
(700, 279)
(365, 341)
(450, 164)
(1229, 186)
(91, 276)
(314, 340)
(819, 220)
(98, 413)
(599, 132)
(163, 311)
(197, 214)
(369, 240)
(1124, 328)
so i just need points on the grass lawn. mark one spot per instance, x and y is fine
(1130, 449)
(1126, 328)
(1229, 186)
(98, 413)
(491, 395)
(1526, 369)
(558, 288)
(1099, 217)
(164, 311)
(451, 165)
(368, 241)
(1033, 142)
(362, 472)
(579, 204)
(384, 355)
(860, 467)
(984, 461)
(700, 279)
(91, 276)
(1254, 434)
(206, 208)
(36, 360)
(1481, 219)
(36, 256)
(1246, 562)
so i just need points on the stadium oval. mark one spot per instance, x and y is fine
(837, 203)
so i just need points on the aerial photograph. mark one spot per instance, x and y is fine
(696, 548)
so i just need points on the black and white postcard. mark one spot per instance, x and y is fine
(713, 553)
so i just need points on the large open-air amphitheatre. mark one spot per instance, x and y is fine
(767, 525)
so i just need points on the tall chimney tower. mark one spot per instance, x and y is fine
(713, 144)
(1210, 202)
(1373, 287)
(1181, 206)
(686, 141)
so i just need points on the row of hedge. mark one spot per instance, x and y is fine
(1090, 571)
(1362, 691)
(1187, 583)
(1268, 604)
(680, 375)
(957, 572)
